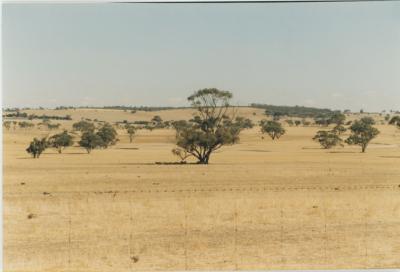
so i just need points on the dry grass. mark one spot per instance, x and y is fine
(258, 205)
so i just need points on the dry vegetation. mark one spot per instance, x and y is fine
(260, 204)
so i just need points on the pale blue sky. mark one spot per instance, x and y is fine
(336, 55)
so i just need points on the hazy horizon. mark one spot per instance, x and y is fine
(325, 55)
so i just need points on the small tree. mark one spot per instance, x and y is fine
(337, 118)
(7, 124)
(212, 126)
(131, 130)
(297, 122)
(328, 139)
(83, 126)
(90, 141)
(25, 124)
(181, 153)
(272, 128)
(156, 119)
(108, 135)
(395, 121)
(362, 132)
(289, 122)
(61, 141)
(36, 147)
(53, 126)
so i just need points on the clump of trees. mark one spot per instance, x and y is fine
(61, 141)
(336, 118)
(362, 132)
(90, 140)
(212, 127)
(108, 135)
(83, 126)
(25, 124)
(36, 147)
(273, 128)
(103, 138)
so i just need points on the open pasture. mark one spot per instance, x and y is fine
(258, 204)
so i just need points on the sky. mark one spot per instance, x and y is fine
(330, 55)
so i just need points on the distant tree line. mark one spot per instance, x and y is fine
(291, 111)
(19, 114)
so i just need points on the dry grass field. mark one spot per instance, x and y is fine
(259, 204)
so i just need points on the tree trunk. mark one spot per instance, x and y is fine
(59, 150)
(363, 147)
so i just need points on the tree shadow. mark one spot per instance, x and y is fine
(255, 150)
(340, 152)
(128, 148)
(390, 157)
